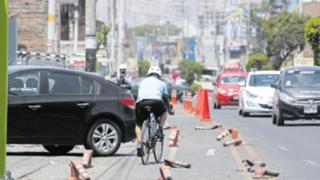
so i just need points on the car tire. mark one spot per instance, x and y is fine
(245, 114)
(274, 118)
(279, 119)
(240, 112)
(58, 149)
(104, 137)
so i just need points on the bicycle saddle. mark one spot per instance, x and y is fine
(148, 108)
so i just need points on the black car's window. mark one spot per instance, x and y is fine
(263, 79)
(26, 84)
(87, 86)
(60, 83)
(302, 78)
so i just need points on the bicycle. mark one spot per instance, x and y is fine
(150, 139)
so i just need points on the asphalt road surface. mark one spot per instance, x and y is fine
(291, 150)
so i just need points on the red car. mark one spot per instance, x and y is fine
(226, 88)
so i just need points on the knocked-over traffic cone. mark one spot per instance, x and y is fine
(232, 142)
(174, 97)
(204, 114)
(222, 135)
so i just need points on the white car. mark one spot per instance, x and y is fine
(256, 94)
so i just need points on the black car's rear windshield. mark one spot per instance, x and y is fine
(262, 80)
(302, 78)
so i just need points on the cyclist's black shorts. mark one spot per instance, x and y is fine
(158, 108)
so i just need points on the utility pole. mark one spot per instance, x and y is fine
(51, 25)
(3, 84)
(76, 28)
(113, 58)
(91, 38)
(121, 31)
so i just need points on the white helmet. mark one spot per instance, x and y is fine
(122, 68)
(154, 70)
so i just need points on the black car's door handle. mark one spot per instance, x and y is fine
(83, 105)
(34, 107)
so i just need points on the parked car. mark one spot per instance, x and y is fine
(256, 93)
(226, 88)
(297, 95)
(61, 108)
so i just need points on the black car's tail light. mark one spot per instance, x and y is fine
(129, 102)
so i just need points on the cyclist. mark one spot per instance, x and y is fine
(122, 77)
(152, 92)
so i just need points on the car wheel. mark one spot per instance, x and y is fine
(279, 119)
(274, 118)
(245, 114)
(104, 137)
(58, 149)
(240, 112)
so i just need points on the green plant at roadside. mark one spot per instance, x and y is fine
(143, 67)
(195, 86)
(102, 36)
(285, 34)
(258, 61)
(312, 35)
(190, 70)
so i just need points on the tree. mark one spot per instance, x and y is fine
(284, 34)
(143, 67)
(259, 61)
(312, 35)
(101, 36)
(190, 69)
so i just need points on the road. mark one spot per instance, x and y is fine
(292, 150)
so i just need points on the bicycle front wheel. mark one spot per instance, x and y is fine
(145, 136)
(158, 147)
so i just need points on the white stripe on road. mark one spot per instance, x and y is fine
(312, 163)
(282, 148)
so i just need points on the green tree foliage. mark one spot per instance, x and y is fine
(284, 33)
(143, 67)
(101, 36)
(190, 70)
(259, 61)
(312, 35)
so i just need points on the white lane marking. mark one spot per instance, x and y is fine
(282, 148)
(211, 152)
(312, 163)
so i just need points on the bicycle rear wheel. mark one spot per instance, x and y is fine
(145, 134)
(158, 147)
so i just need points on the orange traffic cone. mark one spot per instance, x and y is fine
(204, 114)
(174, 97)
(199, 102)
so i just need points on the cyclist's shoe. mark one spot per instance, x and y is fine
(160, 133)
(140, 152)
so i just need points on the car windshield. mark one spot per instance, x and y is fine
(262, 79)
(302, 78)
(232, 79)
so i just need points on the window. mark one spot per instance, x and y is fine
(87, 86)
(25, 84)
(263, 80)
(60, 83)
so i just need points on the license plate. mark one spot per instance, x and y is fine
(310, 109)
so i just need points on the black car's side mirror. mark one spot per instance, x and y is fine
(275, 85)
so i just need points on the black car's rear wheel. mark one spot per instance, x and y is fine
(104, 137)
(274, 118)
(58, 149)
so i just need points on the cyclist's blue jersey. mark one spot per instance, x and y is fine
(151, 88)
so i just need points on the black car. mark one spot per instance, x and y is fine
(61, 108)
(297, 95)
